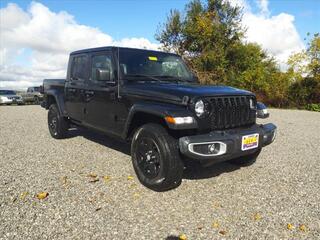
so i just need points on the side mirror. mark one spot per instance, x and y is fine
(103, 74)
(262, 111)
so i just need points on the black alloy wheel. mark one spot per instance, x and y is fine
(156, 157)
(57, 124)
(148, 157)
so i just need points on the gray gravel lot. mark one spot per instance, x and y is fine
(220, 202)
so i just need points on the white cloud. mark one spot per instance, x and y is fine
(49, 37)
(276, 34)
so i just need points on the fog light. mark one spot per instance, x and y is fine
(211, 148)
(208, 148)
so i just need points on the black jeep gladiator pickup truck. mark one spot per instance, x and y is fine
(152, 99)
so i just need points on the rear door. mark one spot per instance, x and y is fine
(75, 86)
(100, 94)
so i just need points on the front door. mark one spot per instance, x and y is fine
(100, 93)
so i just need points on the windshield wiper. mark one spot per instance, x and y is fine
(147, 77)
(169, 77)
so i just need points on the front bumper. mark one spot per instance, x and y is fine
(230, 142)
(5, 101)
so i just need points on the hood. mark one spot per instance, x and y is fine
(175, 92)
(10, 96)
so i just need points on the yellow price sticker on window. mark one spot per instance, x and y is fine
(153, 58)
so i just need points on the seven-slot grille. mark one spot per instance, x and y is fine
(231, 112)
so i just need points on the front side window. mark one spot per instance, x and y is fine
(101, 69)
(78, 69)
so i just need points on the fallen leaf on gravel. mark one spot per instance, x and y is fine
(136, 195)
(98, 209)
(64, 180)
(200, 227)
(94, 180)
(215, 224)
(42, 195)
(302, 228)
(257, 217)
(23, 195)
(290, 226)
(216, 205)
(130, 178)
(223, 232)
(92, 175)
(106, 178)
(182, 237)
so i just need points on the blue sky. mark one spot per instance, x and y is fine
(140, 18)
(37, 36)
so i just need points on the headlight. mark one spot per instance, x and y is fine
(262, 111)
(199, 108)
(252, 104)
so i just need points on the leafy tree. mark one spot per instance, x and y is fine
(210, 38)
(203, 36)
(304, 72)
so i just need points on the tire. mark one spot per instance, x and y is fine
(36, 100)
(156, 158)
(246, 160)
(57, 124)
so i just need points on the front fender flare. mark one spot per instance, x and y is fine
(157, 109)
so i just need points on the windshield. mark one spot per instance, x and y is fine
(7, 92)
(153, 65)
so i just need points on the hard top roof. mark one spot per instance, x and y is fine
(98, 49)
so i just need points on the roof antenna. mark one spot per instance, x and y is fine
(118, 74)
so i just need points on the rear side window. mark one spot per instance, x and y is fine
(78, 68)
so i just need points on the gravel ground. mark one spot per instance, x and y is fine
(220, 202)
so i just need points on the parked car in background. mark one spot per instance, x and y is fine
(32, 95)
(9, 97)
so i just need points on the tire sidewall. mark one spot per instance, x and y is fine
(60, 127)
(171, 167)
(163, 153)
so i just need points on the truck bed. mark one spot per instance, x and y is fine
(53, 83)
(49, 87)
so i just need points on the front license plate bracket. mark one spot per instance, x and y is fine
(250, 141)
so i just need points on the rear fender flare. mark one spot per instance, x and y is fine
(58, 96)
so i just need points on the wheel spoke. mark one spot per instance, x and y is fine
(148, 157)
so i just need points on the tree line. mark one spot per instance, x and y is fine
(210, 37)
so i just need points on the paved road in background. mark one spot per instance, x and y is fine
(94, 194)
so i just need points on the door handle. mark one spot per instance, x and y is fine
(71, 90)
(89, 92)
